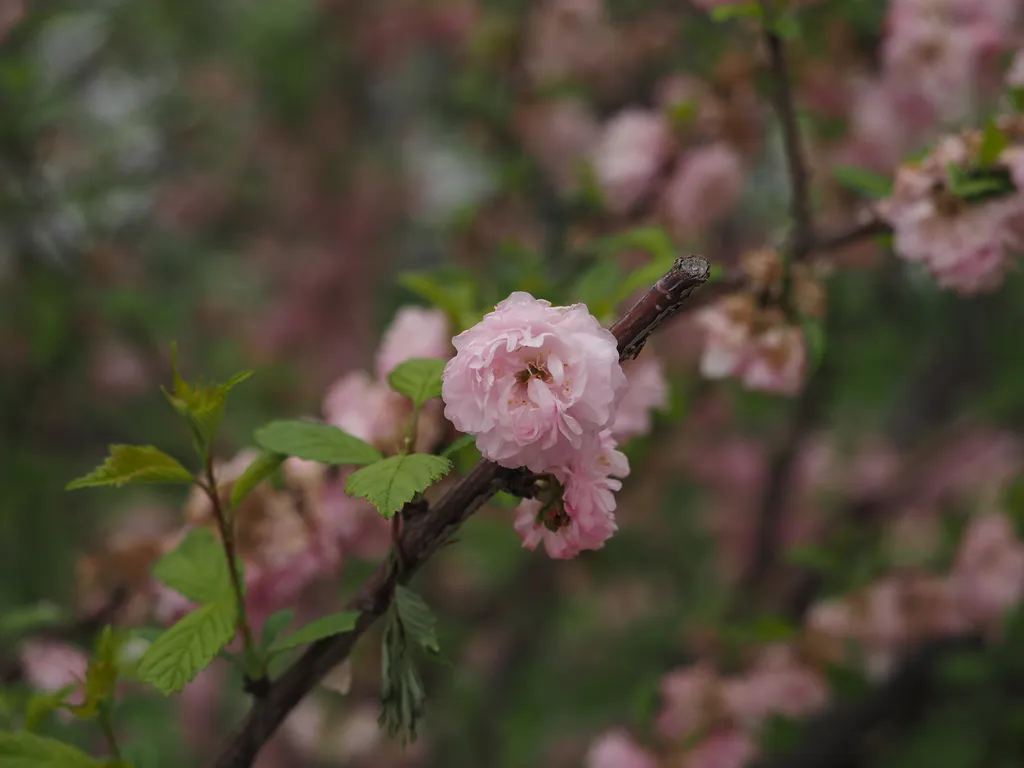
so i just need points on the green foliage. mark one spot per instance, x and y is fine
(325, 626)
(867, 183)
(1016, 97)
(180, 653)
(418, 379)
(275, 624)
(40, 706)
(410, 626)
(993, 142)
(101, 674)
(197, 568)
(315, 441)
(32, 618)
(21, 749)
(132, 464)
(390, 483)
(814, 337)
(456, 446)
(979, 184)
(261, 468)
(731, 11)
(201, 404)
(966, 669)
(418, 622)
(453, 291)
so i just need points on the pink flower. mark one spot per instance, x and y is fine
(646, 390)
(532, 381)
(50, 665)
(728, 326)
(778, 361)
(1015, 74)
(989, 570)
(365, 408)
(722, 749)
(966, 246)
(778, 684)
(704, 188)
(415, 332)
(631, 150)
(616, 749)
(584, 517)
(685, 696)
(560, 134)
(353, 524)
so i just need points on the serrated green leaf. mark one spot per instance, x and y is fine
(315, 441)
(418, 621)
(261, 468)
(457, 445)
(202, 404)
(863, 181)
(180, 653)
(325, 626)
(390, 483)
(993, 142)
(275, 624)
(418, 379)
(197, 568)
(21, 749)
(129, 464)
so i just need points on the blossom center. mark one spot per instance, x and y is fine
(534, 370)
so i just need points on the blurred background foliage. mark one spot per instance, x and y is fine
(267, 182)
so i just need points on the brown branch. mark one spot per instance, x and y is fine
(425, 533)
(870, 226)
(799, 177)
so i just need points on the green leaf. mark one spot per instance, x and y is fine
(865, 182)
(128, 464)
(736, 11)
(261, 468)
(457, 445)
(402, 695)
(325, 626)
(41, 705)
(101, 674)
(419, 379)
(993, 142)
(31, 618)
(812, 557)
(598, 286)
(1016, 96)
(979, 184)
(418, 621)
(197, 568)
(180, 653)
(772, 629)
(202, 404)
(452, 290)
(275, 624)
(966, 669)
(814, 337)
(21, 749)
(315, 441)
(390, 483)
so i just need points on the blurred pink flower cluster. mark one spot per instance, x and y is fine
(751, 337)
(966, 244)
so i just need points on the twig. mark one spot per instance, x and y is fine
(872, 226)
(227, 535)
(799, 177)
(425, 533)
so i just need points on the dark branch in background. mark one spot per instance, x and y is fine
(425, 533)
(838, 734)
(799, 177)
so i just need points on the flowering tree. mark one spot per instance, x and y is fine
(772, 493)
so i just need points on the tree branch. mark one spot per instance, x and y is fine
(425, 533)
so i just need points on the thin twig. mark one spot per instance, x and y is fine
(799, 177)
(427, 532)
(227, 535)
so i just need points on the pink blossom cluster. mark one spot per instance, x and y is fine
(967, 245)
(749, 337)
(539, 385)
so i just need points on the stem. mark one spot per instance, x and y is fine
(799, 178)
(106, 724)
(227, 535)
